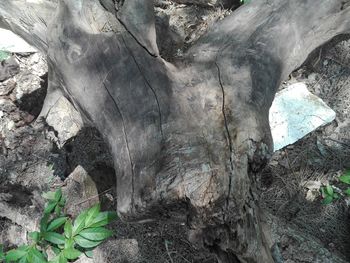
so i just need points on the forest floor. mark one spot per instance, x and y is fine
(33, 160)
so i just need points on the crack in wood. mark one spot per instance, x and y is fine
(228, 136)
(134, 37)
(126, 143)
(148, 84)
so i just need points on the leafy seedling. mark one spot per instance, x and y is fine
(328, 194)
(68, 239)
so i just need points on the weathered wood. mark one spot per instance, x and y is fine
(186, 137)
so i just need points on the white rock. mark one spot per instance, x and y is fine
(312, 77)
(65, 120)
(294, 113)
(1, 114)
(35, 58)
(10, 125)
(13, 43)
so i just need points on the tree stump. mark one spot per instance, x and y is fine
(187, 137)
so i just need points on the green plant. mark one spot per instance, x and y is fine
(67, 239)
(328, 194)
(345, 178)
(4, 55)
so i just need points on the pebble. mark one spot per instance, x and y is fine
(312, 77)
(10, 125)
(35, 58)
(1, 114)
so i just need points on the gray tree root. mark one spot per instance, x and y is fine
(187, 138)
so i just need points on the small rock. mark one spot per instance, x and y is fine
(118, 250)
(16, 116)
(325, 62)
(20, 123)
(312, 195)
(13, 43)
(7, 86)
(35, 58)
(312, 77)
(1, 114)
(13, 234)
(65, 120)
(19, 94)
(10, 125)
(81, 191)
(8, 68)
(28, 118)
(296, 112)
(313, 185)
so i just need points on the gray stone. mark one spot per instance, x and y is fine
(80, 190)
(8, 68)
(118, 250)
(7, 86)
(294, 113)
(65, 120)
(13, 43)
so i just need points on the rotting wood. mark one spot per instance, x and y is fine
(186, 138)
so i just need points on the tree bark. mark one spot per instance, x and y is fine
(187, 138)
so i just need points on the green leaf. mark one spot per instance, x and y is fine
(71, 253)
(43, 223)
(85, 243)
(44, 253)
(79, 222)
(54, 238)
(329, 190)
(327, 200)
(23, 260)
(50, 207)
(347, 191)
(323, 192)
(4, 55)
(59, 259)
(49, 195)
(56, 223)
(96, 234)
(58, 195)
(63, 259)
(16, 254)
(58, 210)
(36, 256)
(69, 243)
(55, 250)
(103, 218)
(62, 202)
(345, 178)
(335, 196)
(92, 213)
(68, 229)
(89, 253)
(35, 236)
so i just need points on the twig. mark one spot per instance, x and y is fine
(92, 197)
(167, 251)
(339, 142)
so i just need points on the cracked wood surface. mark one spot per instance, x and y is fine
(186, 137)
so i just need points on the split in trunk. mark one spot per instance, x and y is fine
(188, 137)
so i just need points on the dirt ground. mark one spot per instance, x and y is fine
(290, 182)
(31, 161)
